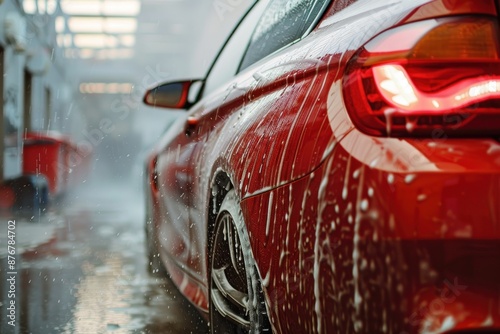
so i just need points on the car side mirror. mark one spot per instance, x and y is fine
(174, 95)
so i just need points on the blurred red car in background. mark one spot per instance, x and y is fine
(338, 171)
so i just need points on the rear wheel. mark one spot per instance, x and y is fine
(236, 298)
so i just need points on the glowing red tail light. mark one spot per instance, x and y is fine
(439, 76)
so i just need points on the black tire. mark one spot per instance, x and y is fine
(236, 299)
(154, 265)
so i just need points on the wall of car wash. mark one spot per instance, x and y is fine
(35, 86)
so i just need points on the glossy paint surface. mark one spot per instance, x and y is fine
(350, 233)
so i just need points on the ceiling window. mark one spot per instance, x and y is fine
(102, 29)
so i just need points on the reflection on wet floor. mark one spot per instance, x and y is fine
(91, 277)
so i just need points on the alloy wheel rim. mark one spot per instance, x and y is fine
(229, 291)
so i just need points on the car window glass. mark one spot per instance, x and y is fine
(283, 23)
(226, 65)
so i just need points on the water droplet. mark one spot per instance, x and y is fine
(421, 197)
(409, 178)
(364, 205)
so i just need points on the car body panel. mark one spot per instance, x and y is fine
(350, 233)
(385, 245)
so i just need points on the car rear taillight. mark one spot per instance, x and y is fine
(438, 77)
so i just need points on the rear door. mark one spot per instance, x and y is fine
(238, 98)
(183, 236)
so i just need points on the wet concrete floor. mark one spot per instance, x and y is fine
(90, 276)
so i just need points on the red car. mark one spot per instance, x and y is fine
(337, 171)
